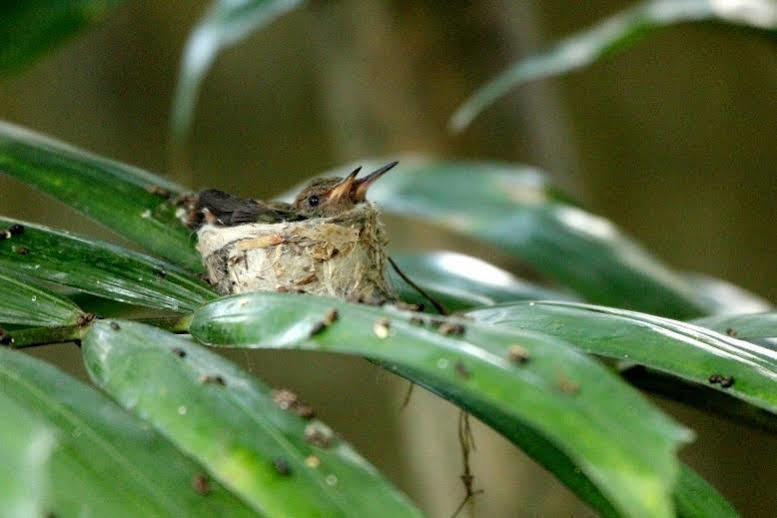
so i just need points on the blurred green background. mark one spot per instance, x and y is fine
(674, 140)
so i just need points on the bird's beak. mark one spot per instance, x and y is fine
(361, 185)
(343, 189)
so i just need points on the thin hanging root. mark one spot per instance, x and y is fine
(437, 305)
(467, 443)
(409, 393)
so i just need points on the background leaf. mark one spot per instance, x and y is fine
(610, 432)
(221, 416)
(24, 457)
(461, 281)
(23, 303)
(125, 199)
(106, 463)
(226, 23)
(684, 350)
(513, 208)
(100, 269)
(613, 35)
(745, 326)
(32, 27)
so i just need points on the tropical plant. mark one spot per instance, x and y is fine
(177, 430)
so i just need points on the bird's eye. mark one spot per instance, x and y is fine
(313, 200)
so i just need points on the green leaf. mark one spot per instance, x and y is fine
(99, 268)
(226, 23)
(118, 196)
(25, 449)
(693, 496)
(32, 27)
(514, 209)
(461, 282)
(612, 35)
(690, 352)
(224, 418)
(23, 303)
(618, 440)
(696, 498)
(105, 463)
(747, 326)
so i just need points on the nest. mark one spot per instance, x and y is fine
(341, 256)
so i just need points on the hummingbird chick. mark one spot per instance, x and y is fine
(322, 197)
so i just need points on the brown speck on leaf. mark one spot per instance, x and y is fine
(281, 465)
(382, 328)
(462, 370)
(115, 326)
(288, 400)
(201, 484)
(159, 272)
(215, 379)
(158, 190)
(448, 328)
(22, 250)
(330, 317)
(726, 381)
(16, 229)
(731, 332)
(517, 354)
(568, 386)
(318, 327)
(179, 352)
(318, 434)
(5, 338)
(84, 319)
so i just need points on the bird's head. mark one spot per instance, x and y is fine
(324, 197)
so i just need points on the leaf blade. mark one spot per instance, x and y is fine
(99, 268)
(535, 395)
(23, 303)
(232, 426)
(609, 36)
(113, 194)
(746, 326)
(106, 463)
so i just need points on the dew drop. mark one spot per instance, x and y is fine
(181, 410)
(442, 363)
(331, 479)
(34, 298)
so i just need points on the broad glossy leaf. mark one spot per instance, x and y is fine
(226, 23)
(722, 297)
(693, 497)
(613, 435)
(461, 282)
(612, 35)
(99, 268)
(106, 462)
(25, 449)
(746, 326)
(123, 198)
(513, 208)
(24, 303)
(224, 418)
(690, 352)
(30, 28)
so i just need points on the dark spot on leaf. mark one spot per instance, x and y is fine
(84, 319)
(331, 317)
(22, 250)
(417, 321)
(5, 234)
(115, 326)
(518, 355)
(179, 352)
(281, 465)
(714, 378)
(448, 328)
(731, 332)
(212, 378)
(288, 400)
(16, 229)
(5, 338)
(462, 370)
(726, 381)
(318, 434)
(318, 327)
(201, 484)
(159, 272)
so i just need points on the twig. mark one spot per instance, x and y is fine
(441, 309)
(467, 443)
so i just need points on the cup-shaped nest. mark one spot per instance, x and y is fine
(341, 256)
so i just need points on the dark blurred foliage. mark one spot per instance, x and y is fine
(673, 140)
